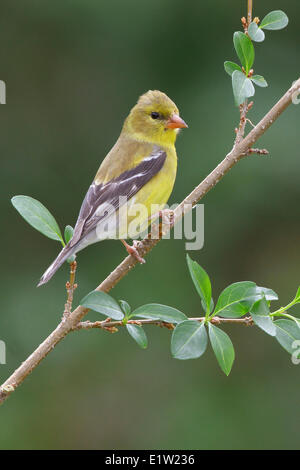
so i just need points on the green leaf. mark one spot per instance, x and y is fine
(235, 300)
(297, 297)
(103, 303)
(68, 233)
(138, 334)
(189, 340)
(222, 347)
(255, 33)
(242, 87)
(230, 67)
(287, 332)
(260, 314)
(211, 305)
(125, 307)
(259, 81)
(159, 312)
(244, 49)
(37, 216)
(201, 282)
(269, 294)
(275, 20)
(291, 317)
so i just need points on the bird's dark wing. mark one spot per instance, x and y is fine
(108, 195)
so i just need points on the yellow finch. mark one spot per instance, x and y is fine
(140, 169)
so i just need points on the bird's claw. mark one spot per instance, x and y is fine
(132, 250)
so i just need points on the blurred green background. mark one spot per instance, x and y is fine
(73, 70)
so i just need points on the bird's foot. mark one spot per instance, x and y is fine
(132, 250)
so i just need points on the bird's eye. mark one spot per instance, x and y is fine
(154, 115)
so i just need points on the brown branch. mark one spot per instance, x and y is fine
(239, 150)
(240, 131)
(70, 287)
(258, 151)
(108, 325)
(246, 22)
(249, 15)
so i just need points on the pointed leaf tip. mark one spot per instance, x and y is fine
(38, 216)
(138, 334)
(222, 347)
(297, 296)
(125, 307)
(201, 282)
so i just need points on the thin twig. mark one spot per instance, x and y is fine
(70, 287)
(258, 151)
(240, 131)
(250, 122)
(107, 325)
(246, 22)
(238, 151)
(249, 15)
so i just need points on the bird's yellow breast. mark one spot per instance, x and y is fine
(149, 200)
(135, 215)
(159, 188)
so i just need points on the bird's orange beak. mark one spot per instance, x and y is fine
(175, 122)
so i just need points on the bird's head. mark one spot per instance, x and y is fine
(155, 118)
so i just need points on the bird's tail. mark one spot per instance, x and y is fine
(65, 253)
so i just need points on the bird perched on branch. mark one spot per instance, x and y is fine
(139, 170)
